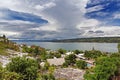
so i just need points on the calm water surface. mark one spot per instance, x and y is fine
(105, 47)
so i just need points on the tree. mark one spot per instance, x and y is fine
(57, 55)
(24, 66)
(4, 36)
(51, 69)
(6, 75)
(70, 59)
(65, 64)
(47, 77)
(46, 66)
(62, 51)
(78, 51)
(93, 54)
(10, 76)
(81, 64)
(36, 51)
(105, 68)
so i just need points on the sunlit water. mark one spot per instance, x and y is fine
(105, 47)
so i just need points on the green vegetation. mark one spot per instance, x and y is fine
(105, 69)
(78, 51)
(6, 75)
(34, 50)
(6, 44)
(93, 54)
(81, 64)
(3, 49)
(21, 68)
(53, 54)
(27, 68)
(47, 77)
(62, 51)
(119, 47)
(69, 60)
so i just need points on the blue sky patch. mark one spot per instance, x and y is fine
(14, 15)
(110, 7)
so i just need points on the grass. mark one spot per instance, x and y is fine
(3, 49)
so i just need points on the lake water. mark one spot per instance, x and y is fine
(105, 47)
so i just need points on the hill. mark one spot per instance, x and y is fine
(92, 39)
(6, 44)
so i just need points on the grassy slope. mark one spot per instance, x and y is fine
(3, 49)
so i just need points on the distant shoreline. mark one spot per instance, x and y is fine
(92, 40)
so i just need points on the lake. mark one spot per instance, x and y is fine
(105, 47)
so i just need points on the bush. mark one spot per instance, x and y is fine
(81, 64)
(23, 66)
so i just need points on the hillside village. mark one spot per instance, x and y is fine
(62, 64)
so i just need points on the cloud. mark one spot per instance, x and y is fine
(67, 15)
(103, 31)
(116, 16)
(58, 19)
(45, 6)
(95, 8)
(9, 33)
(90, 23)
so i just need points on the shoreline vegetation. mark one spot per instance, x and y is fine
(92, 39)
(22, 62)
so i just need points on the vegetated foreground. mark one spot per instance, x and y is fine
(22, 62)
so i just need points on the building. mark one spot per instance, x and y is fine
(81, 56)
(68, 53)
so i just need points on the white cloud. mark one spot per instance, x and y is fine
(95, 8)
(42, 7)
(116, 16)
(66, 19)
(2, 15)
(66, 15)
(9, 33)
(90, 23)
(47, 27)
(107, 31)
(39, 7)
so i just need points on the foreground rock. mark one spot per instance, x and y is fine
(69, 74)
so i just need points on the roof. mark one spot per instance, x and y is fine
(90, 61)
(57, 61)
(68, 53)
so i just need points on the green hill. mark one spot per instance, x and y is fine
(93, 39)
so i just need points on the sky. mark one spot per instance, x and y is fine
(59, 19)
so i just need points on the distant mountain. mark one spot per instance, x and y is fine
(28, 40)
(92, 39)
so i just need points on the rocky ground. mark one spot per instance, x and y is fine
(69, 74)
